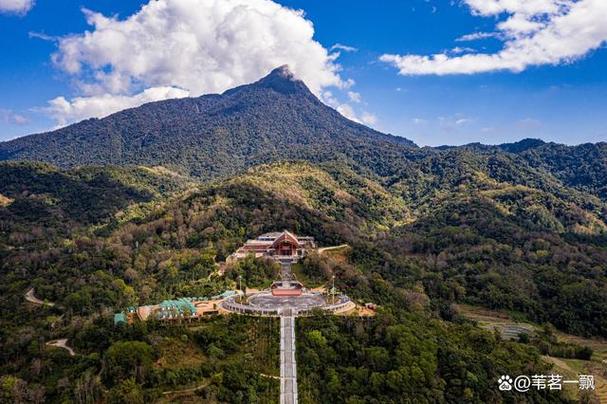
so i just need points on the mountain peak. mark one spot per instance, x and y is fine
(282, 80)
(522, 145)
(211, 136)
(283, 72)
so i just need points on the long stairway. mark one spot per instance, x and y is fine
(288, 366)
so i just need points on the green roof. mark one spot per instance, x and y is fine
(177, 307)
(119, 318)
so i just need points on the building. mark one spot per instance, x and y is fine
(178, 308)
(120, 318)
(286, 289)
(281, 246)
(183, 308)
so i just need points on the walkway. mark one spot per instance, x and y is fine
(61, 343)
(335, 247)
(288, 366)
(30, 297)
(285, 272)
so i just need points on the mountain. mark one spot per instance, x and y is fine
(39, 202)
(214, 135)
(522, 145)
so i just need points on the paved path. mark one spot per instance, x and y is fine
(335, 247)
(61, 343)
(30, 297)
(285, 272)
(288, 366)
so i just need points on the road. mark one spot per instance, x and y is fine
(288, 366)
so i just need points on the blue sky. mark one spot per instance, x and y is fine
(473, 92)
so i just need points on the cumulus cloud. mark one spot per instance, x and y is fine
(19, 7)
(354, 96)
(79, 108)
(202, 46)
(535, 32)
(347, 110)
(8, 116)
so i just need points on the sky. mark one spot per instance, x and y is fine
(436, 72)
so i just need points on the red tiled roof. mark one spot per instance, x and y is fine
(286, 292)
(286, 236)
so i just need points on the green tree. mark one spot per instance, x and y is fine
(125, 359)
(127, 391)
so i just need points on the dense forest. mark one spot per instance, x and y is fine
(400, 357)
(95, 240)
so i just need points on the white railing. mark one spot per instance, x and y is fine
(240, 308)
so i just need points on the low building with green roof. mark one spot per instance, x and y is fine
(120, 318)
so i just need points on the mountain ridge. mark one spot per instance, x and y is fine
(209, 136)
(277, 118)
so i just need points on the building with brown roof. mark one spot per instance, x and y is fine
(281, 246)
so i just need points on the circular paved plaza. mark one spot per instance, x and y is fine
(306, 301)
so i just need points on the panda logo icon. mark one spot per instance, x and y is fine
(505, 383)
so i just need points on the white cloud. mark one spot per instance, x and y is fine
(458, 50)
(43, 36)
(342, 47)
(475, 36)
(462, 121)
(354, 96)
(65, 111)
(368, 118)
(348, 111)
(201, 46)
(453, 122)
(20, 7)
(535, 32)
(8, 116)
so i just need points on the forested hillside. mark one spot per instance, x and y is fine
(480, 228)
(149, 201)
(214, 135)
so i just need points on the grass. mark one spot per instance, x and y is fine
(175, 354)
